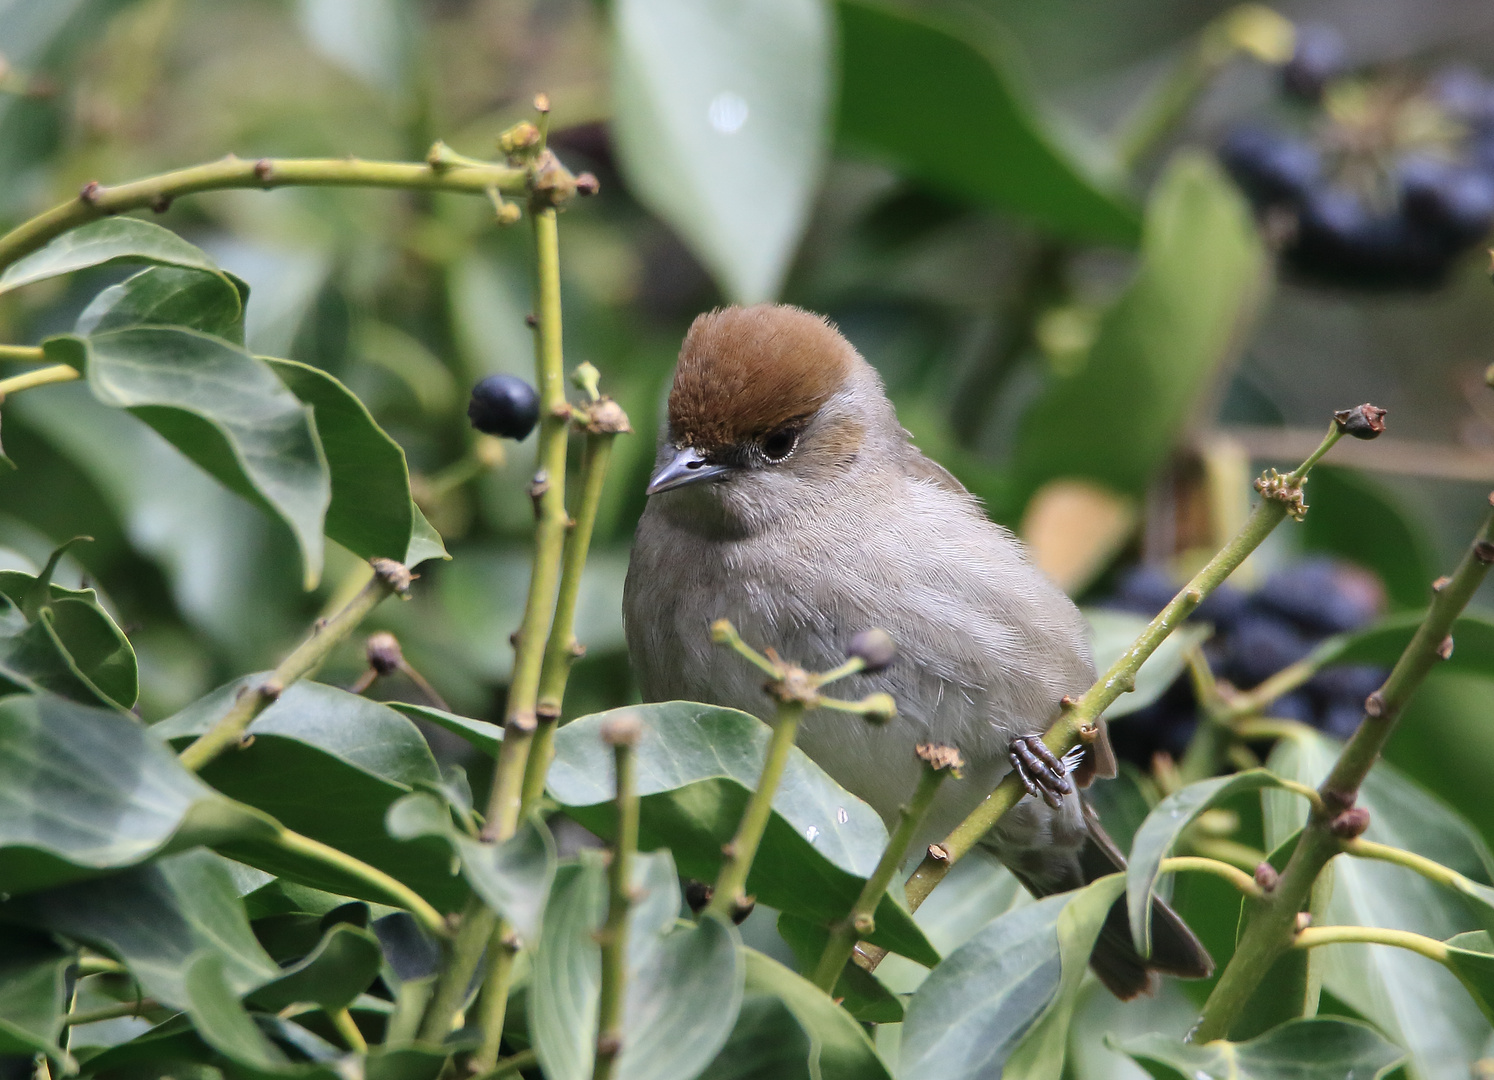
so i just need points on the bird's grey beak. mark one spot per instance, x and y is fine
(686, 466)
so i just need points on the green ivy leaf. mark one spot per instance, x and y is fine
(1197, 287)
(84, 790)
(220, 1019)
(154, 919)
(170, 296)
(1324, 1048)
(1419, 1004)
(901, 69)
(790, 1029)
(33, 982)
(721, 120)
(684, 985)
(343, 965)
(328, 764)
(224, 409)
(371, 513)
(104, 243)
(513, 878)
(68, 644)
(1160, 831)
(697, 766)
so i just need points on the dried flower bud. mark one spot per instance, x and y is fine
(1363, 422)
(940, 757)
(588, 184)
(394, 574)
(1266, 876)
(383, 652)
(874, 648)
(624, 729)
(519, 138)
(697, 895)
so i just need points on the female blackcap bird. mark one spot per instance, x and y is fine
(787, 498)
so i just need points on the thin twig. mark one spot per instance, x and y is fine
(622, 732)
(938, 763)
(389, 577)
(1270, 925)
(57, 373)
(1077, 719)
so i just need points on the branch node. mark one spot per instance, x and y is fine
(1273, 485)
(1336, 802)
(393, 573)
(263, 170)
(939, 853)
(1351, 823)
(550, 710)
(1483, 551)
(1441, 583)
(741, 908)
(938, 757)
(522, 722)
(864, 924)
(271, 689)
(90, 193)
(1266, 876)
(1445, 649)
(587, 184)
(1304, 920)
(1374, 705)
(609, 1045)
(161, 203)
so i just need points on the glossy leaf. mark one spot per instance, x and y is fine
(84, 790)
(371, 513)
(1114, 632)
(1398, 549)
(1160, 831)
(1200, 277)
(901, 71)
(697, 765)
(789, 1029)
(33, 970)
(221, 1021)
(224, 409)
(1324, 1048)
(1418, 1004)
(328, 764)
(343, 965)
(513, 878)
(103, 243)
(684, 985)
(169, 296)
(1002, 1001)
(155, 918)
(721, 120)
(69, 646)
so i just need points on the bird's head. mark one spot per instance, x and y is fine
(771, 410)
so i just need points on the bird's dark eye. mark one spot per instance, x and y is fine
(777, 445)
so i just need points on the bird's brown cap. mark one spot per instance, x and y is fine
(746, 371)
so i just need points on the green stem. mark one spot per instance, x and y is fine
(110, 1012)
(1079, 717)
(524, 1059)
(473, 933)
(728, 900)
(860, 922)
(562, 649)
(502, 948)
(614, 935)
(96, 201)
(389, 577)
(342, 1021)
(25, 354)
(99, 965)
(1315, 936)
(1270, 925)
(1432, 871)
(549, 538)
(394, 892)
(1235, 876)
(57, 373)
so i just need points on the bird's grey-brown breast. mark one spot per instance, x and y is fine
(986, 645)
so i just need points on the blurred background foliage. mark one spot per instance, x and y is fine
(1087, 329)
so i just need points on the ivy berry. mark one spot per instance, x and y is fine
(504, 405)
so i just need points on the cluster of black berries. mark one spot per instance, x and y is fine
(1396, 183)
(1257, 634)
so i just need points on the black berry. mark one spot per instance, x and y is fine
(1317, 60)
(874, 648)
(504, 405)
(1323, 596)
(1452, 200)
(1272, 168)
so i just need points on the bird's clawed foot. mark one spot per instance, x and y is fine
(1043, 774)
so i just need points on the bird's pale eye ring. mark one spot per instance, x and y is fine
(777, 445)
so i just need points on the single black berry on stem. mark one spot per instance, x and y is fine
(504, 405)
